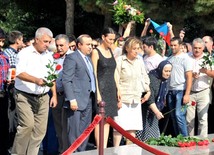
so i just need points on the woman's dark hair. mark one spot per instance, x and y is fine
(107, 31)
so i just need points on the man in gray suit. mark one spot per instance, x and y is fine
(79, 87)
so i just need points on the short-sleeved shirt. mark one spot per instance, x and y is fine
(152, 62)
(4, 66)
(33, 63)
(11, 54)
(203, 81)
(181, 63)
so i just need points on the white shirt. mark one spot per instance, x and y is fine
(33, 63)
(60, 61)
(203, 81)
(152, 62)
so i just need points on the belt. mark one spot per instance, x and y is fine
(60, 93)
(34, 95)
(199, 91)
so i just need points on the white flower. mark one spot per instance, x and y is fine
(115, 3)
(132, 11)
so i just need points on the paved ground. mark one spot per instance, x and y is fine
(136, 150)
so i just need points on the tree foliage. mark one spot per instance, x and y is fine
(196, 16)
(13, 18)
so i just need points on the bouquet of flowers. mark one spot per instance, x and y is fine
(124, 13)
(178, 141)
(52, 72)
(208, 61)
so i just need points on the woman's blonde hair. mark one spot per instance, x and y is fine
(131, 41)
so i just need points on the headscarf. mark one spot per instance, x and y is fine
(158, 73)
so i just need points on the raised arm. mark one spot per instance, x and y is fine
(128, 29)
(170, 30)
(147, 23)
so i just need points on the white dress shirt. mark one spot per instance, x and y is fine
(33, 63)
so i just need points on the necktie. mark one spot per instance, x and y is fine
(90, 68)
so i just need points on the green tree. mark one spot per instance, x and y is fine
(13, 18)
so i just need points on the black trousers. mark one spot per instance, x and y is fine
(4, 128)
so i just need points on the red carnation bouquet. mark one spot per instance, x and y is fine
(52, 72)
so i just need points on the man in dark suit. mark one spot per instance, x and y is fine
(79, 86)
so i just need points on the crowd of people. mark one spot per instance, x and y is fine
(135, 81)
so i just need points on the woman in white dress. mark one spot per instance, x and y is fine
(132, 81)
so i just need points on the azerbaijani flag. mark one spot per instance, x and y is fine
(163, 30)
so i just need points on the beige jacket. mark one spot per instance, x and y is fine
(132, 79)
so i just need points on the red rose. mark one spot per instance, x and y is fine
(58, 67)
(193, 103)
(200, 143)
(213, 140)
(56, 55)
(150, 31)
(187, 144)
(181, 144)
(193, 143)
(206, 142)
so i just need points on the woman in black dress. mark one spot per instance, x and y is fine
(104, 69)
(152, 108)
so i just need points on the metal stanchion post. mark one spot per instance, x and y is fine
(101, 128)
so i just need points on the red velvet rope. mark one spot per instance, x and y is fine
(83, 136)
(109, 120)
(134, 140)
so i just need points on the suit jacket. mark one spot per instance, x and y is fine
(76, 80)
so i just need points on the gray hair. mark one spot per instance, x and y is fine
(198, 40)
(43, 31)
(62, 36)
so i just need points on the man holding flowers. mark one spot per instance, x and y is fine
(200, 92)
(31, 93)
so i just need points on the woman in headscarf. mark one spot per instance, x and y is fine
(152, 108)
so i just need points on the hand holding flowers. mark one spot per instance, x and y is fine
(208, 61)
(184, 107)
(52, 72)
(124, 13)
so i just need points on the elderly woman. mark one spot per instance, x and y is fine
(152, 108)
(132, 81)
